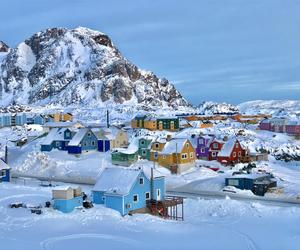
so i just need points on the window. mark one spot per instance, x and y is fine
(93, 143)
(202, 150)
(191, 155)
(148, 196)
(213, 154)
(187, 145)
(2, 173)
(103, 198)
(215, 145)
(158, 192)
(67, 134)
(234, 154)
(142, 181)
(144, 152)
(164, 157)
(183, 156)
(237, 145)
(201, 141)
(142, 142)
(85, 144)
(233, 182)
(57, 144)
(239, 154)
(156, 145)
(136, 198)
(89, 134)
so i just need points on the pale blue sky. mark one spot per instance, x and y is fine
(233, 50)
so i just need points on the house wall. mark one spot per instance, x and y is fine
(121, 140)
(74, 150)
(204, 146)
(151, 125)
(115, 202)
(5, 175)
(67, 206)
(46, 148)
(103, 145)
(216, 150)
(89, 142)
(98, 197)
(122, 159)
(233, 159)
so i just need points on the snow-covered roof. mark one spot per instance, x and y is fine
(174, 145)
(117, 181)
(79, 136)
(3, 165)
(55, 134)
(227, 148)
(133, 147)
(294, 122)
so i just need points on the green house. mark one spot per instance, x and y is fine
(168, 123)
(145, 148)
(120, 157)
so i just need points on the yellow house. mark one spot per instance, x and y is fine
(62, 117)
(150, 123)
(118, 137)
(178, 155)
(156, 147)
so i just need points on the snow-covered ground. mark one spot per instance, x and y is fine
(235, 225)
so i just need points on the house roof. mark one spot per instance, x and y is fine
(118, 181)
(252, 176)
(55, 134)
(79, 136)
(227, 148)
(174, 145)
(132, 148)
(294, 122)
(3, 165)
(59, 124)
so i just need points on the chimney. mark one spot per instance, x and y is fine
(225, 138)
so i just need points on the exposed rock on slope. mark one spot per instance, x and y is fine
(79, 66)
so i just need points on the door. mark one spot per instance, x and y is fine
(107, 145)
(158, 194)
(100, 145)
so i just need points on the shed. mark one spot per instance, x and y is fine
(4, 171)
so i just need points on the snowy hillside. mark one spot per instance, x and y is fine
(79, 66)
(273, 107)
(210, 108)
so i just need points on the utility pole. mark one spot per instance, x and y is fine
(107, 118)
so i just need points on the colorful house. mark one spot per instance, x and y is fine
(231, 152)
(145, 147)
(127, 190)
(35, 119)
(66, 199)
(57, 138)
(4, 171)
(167, 123)
(61, 117)
(138, 121)
(214, 148)
(110, 138)
(125, 156)
(150, 123)
(293, 127)
(178, 155)
(18, 119)
(203, 145)
(83, 141)
(156, 147)
(5, 120)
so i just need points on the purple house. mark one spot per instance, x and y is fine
(202, 149)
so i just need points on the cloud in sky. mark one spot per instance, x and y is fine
(230, 50)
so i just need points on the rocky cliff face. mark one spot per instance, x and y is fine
(3, 47)
(79, 66)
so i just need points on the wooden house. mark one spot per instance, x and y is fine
(214, 148)
(231, 152)
(125, 156)
(145, 147)
(83, 141)
(57, 138)
(18, 119)
(178, 155)
(167, 123)
(4, 172)
(257, 183)
(293, 127)
(156, 147)
(61, 117)
(66, 199)
(127, 190)
(110, 138)
(203, 145)
(150, 123)
(71, 125)
(35, 119)
(138, 121)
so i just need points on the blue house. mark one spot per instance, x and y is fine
(4, 171)
(18, 119)
(5, 120)
(83, 140)
(127, 190)
(66, 199)
(58, 138)
(35, 119)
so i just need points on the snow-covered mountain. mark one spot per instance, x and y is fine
(78, 66)
(273, 107)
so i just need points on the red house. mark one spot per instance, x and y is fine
(265, 125)
(214, 149)
(231, 152)
(293, 127)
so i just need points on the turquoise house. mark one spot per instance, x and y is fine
(145, 147)
(127, 190)
(5, 120)
(66, 199)
(84, 140)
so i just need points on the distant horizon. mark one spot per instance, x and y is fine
(211, 51)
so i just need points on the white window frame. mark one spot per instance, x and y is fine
(239, 154)
(187, 145)
(234, 154)
(215, 145)
(236, 145)
(93, 143)
(89, 134)
(191, 155)
(213, 154)
(202, 150)
(142, 142)
(137, 198)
